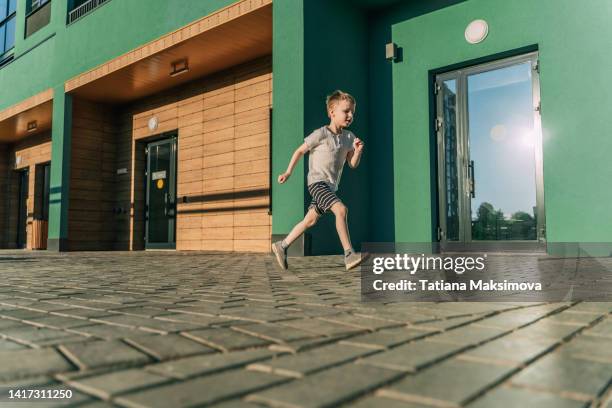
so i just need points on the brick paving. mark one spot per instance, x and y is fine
(174, 329)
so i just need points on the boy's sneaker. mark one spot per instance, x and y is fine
(281, 255)
(354, 259)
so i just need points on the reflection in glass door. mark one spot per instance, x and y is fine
(490, 152)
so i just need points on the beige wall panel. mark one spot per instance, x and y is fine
(221, 233)
(261, 152)
(218, 160)
(190, 153)
(192, 130)
(253, 115)
(252, 232)
(252, 218)
(191, 119)
(219, 98)
(218, 148)
(250, 91)
(253, 128)
(187, 189)
(252, 245)
(219, 184)
(192, 107)
(224, 245)
(251, 181)
(219, 112)
(253, 103)
(218, 124)
(218, 220)
(182, 245)
(218, 172)
(250, 167)
(250, 142)
(218, 136)
(223, 130)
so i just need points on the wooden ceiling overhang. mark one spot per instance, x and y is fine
(14, 120)
(230, 36)
(233, 35)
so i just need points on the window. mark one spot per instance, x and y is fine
(7, 26)
(38, 15)
(77, 4)
(34, 4)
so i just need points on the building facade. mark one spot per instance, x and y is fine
(129, 125)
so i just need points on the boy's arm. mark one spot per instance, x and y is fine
(354, 156)
(299, 152)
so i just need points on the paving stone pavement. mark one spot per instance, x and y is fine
(187, 329)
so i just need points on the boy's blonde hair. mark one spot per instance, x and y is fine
(335, 97)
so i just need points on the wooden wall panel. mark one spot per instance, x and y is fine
(4, 194)
(91, 220)
(25, 154)
(223, 160)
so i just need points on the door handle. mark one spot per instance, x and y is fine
(472, 180)
(169, 205)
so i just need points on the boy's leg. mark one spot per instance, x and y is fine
(351, 258)
(280, 248)
(341, 212)
(309, 220)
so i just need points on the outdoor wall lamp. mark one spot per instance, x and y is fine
(179, 67)
(391, 52)
(476, 31)
(32, 126)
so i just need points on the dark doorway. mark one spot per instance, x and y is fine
(22, 219)
(160, 208)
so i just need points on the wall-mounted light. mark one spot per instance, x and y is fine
(153, 123)
(32, 126)
(391, 51)
(476, 31)
(179, 67)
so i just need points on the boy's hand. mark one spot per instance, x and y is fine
(358, 145)
(283, 177)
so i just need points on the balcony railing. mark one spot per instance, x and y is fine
(84, 9)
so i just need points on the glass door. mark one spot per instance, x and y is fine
(490, 153)
(161, 194)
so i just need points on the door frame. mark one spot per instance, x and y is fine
(169, 137)
(462, 126)
(21, 202)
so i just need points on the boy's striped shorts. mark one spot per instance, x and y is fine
(322, 197)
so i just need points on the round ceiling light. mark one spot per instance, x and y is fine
(476, 31)
(153, 122)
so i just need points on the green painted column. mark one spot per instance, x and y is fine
(288, 117)
(60, 170)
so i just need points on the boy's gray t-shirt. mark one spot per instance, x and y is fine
(327, 155)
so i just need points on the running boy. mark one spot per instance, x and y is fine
(329, 146)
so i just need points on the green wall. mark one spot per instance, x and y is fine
(573, 41)
(336, 57)
(323, 45)
(288, 112)
(319, 46)
(58, 52)
(381, 113)
(59, 188)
